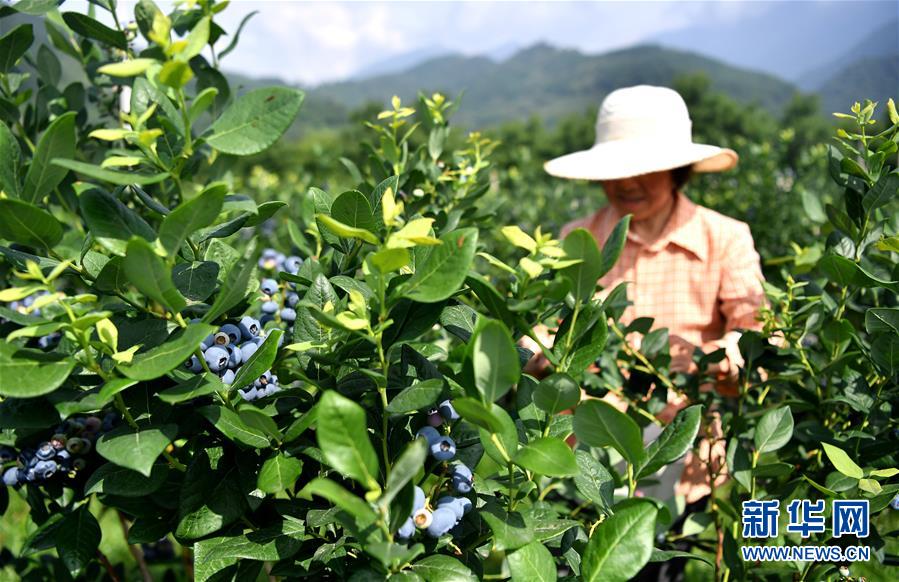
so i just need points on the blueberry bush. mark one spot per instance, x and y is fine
(177, 402)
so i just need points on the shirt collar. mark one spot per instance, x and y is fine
(681, 230)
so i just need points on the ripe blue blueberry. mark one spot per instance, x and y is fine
(247, 350)
(447, 410)
(45, 451)
(442, 520)
(249, 327)
(216, 358)
(419, 500)
(421, 518)
(292, 299)
(443, 449)
(268, 287)
(11, 476)
(235, 356)
(895, 503)
(45, 469)
(453, 504)
(430, 433)
(234, 333)
(406, 530)
(228, 377)
(63, 456)
(194, 365)
(269, 307)
(462, 478)
(292, 264)
(288, 314)
(264, 380)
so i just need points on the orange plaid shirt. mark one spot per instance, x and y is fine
(701, 278)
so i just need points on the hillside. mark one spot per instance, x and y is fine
(550, 82)
(876, 78)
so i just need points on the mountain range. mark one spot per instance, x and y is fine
(552, 82)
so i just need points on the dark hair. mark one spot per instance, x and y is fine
(680, 176)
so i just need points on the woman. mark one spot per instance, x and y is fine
(693, 270)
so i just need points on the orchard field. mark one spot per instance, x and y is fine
(229, 357)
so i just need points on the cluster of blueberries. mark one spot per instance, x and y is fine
(45, 342)
(225, 350)
(63, 454)
(448, 510)
(272, 260)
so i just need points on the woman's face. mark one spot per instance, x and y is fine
(643, 196)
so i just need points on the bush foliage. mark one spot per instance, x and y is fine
(131, 252)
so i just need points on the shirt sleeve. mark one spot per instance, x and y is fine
(739, 297)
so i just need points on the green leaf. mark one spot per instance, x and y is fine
(842, 462)
(774, 430)
(342, 435)
(255, 121)
(879, 319)
(340, 497)
(28, 373)
(580, 245)
(273, 543)
(621, 545)
(147, 271)
(278, 473)
(230, 424)
(505, 432)
(533, 562)
(441, 269)
(882, 192)
(77, 539)
(599, 424)
(261, 360)
(111, 479)
(111, 176)
(196, 281)
(593, 480)
(13, 45)
(27, 224)
(443, 568)
(885, 353)
(190, 217)
(235, 287)
(614, 245)
(136, 449)
(10, 162)
(668, 555)
(494, 361)
(196, 386)
(418, 396)
(476, 412)
(673, 443)
(510, 530)
(210, 495)
(409, 463)
(113, 387)
(90, 28)
(352, 209)
(112, 223)
(345, 230)
(127, 68)
(548, 456)
(164, 358)
(557, 392)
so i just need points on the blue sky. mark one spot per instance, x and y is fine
(311, 42)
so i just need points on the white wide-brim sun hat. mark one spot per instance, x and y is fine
(640, 130)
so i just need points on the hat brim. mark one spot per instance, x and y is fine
(622, 159)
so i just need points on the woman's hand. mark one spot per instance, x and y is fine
(681, 355)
